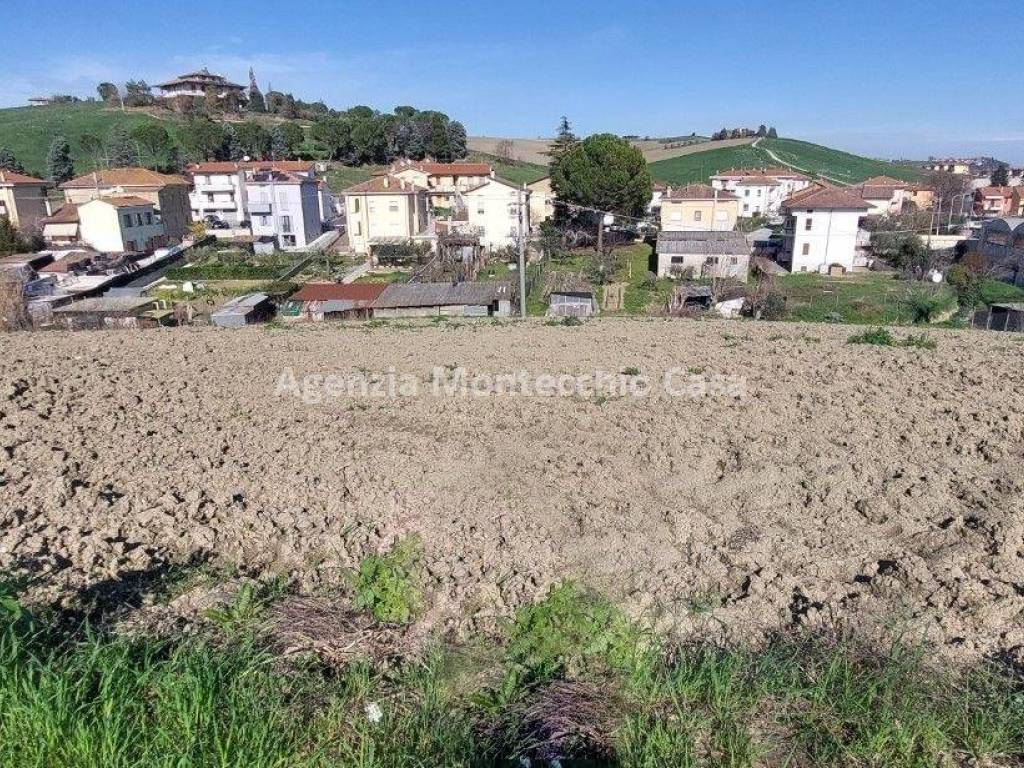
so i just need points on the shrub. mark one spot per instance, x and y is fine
(879, 336)
(388, 586)
(925, 305)
(224, 272)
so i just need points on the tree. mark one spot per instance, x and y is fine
(8, 162)
(604, 172)
(108, 92)
(335, 134)
(211, 100)
(122, 151)
(137, 94)
(154, 140)
(1001, 176)
(201, 138)
(772, 133)
(10, 239)
(950, 192)
(285, 140)
(506, 150)
(253, 140)
(231, 147)
(59, 166)
(369, 143)
(456, 140)
(762, 130)
(256, 103)
(565, 139)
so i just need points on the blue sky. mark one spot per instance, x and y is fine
(898, 78)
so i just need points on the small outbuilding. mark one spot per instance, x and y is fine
(703, 255)
(572, 304)
(243, 310)
(97, 313)
(1001, 317)
(333, 301)
(477, 299)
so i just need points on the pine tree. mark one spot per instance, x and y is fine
(8, 162)
(1001, 176)
(59, 166)
(232, 149)
(772, 133)
(456, 140)
(564, 140)
(121, 148)
(256, 101)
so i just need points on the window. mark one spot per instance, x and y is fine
(127, 221)
(149, 218)
(264, 220)
(355, 205)
(371, 206)
(807, 249)
(734, 260)
(480, 207)
(288, 240)
(393, 206)
(138, 219)
(808, 222)
(697, 215)
(678, 259)
(746, 193)
(357, 230)
(746, 207)
(286, 224)
(209, 197)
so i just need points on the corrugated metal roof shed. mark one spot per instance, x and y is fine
(236, 311)
(704, 243)
(398, 295)
(118, 305)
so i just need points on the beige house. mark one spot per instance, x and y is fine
(169, 194)
(385, 209)
(542, 201)
(703, 255)
(22, 199)
(107, 225)
(698, 208)
(443, 181)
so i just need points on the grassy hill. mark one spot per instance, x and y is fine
(814, 159)
(28, 131)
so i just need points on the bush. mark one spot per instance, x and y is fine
(925, 304)
(224, 272)
(883, 337)
(388, 586)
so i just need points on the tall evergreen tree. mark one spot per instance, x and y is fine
(1001, 175)
(565, 139)
(8, 162)
(457, 140)
(59, 166)
(232, 147)
(772, 133)
(122, 150)
(256, 102)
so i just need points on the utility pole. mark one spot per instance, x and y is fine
(522, 260)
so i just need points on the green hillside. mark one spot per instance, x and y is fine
(812, 158)
(519, 172)
(28, 131)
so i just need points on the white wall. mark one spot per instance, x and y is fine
(228, 196)
(831, 239)
(494, 209)
(294, 217)
(104, 228)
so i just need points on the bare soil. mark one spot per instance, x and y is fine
(879, 488)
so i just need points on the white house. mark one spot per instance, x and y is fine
(285, 206)
(120, 224)
(760, 190)
(885, 194)
(492, 212)
(821, 230)
(219, 188)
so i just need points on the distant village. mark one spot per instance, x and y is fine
(133, 247)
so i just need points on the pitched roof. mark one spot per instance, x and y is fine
(884, 181)
(355, 292)
(383, 185)
(697, 192)
(267, 176)
(828, 197)
(706, 243)
(125, 201)
(495, 180)
(124, 177)
(775, 173)
(250, 165)
(12, 178)
(996, 191)
(398, 295)
(66, 214)
(444, 169)
(204, 76)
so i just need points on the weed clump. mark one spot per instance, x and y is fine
(388, 586)
(883, 337)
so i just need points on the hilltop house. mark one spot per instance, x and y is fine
(698, 208)
(760, 190)
(195, 85)
(107, 225)
(22, 199)
(386, 209)
(822, 229)
(167, 193)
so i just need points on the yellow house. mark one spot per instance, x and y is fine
(22, 199)
(542, 201)
(169, 194)
(698, 208)
(443, 181)
(385, 209)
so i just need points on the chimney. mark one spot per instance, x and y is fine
(387, 181)
(492, 173)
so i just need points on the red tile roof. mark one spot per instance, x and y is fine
(698, 192)
(776, 173)
(124, 177)
(996, 191)
(383, 185)
(821, 196)
(445, 169)
(251, 165)
(339, 292)
(12, 178)
(125, 201)
(66, 214)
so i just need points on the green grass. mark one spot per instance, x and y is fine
(385, 277)
(868, 298)
(518, 172)
(883, 337)
(341, 177)
(28, 131)
(818, 160)
(570, 677)
(997, 292)
(697, 167)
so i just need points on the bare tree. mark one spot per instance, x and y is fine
(506, 150)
